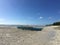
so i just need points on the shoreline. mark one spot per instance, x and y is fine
(14, 36)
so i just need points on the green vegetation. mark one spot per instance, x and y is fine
(56, 23)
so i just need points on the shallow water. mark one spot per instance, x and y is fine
(30, 28)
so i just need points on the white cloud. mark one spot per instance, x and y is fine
(50, 17)
(41, 17)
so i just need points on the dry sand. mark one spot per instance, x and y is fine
(13, 36)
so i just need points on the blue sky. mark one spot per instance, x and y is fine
(37, 12)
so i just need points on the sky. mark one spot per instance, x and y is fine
(29, 12)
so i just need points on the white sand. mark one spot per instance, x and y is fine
(13, 36)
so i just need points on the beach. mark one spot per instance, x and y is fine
(50, 35)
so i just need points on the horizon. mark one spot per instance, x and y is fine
(29, 12)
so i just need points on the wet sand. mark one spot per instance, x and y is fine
(14, 36)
